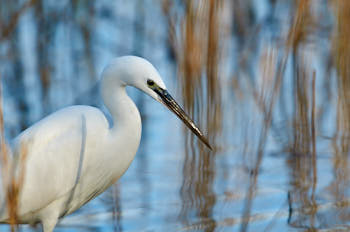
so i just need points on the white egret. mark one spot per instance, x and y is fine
(73, 155)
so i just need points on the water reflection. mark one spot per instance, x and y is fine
(266, 80)
(199, 62)
(197, 193)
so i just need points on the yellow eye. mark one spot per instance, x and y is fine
(150, 82)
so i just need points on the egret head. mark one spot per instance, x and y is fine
(139, 73)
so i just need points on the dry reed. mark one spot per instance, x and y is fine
(195, 42)
(197, 52)
(12, 175)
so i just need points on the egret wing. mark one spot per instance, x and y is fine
(50, 154)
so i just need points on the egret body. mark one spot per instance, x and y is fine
(74, 154)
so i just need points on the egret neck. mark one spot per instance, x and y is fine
(125, 131)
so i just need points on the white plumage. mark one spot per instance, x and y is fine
(73, 155)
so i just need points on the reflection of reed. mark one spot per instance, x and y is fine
(12, 175)
(44, 52)
(198, 61)
(304, 178)
(341, 143)
(302, 166)
(195, 39)
(8, 198)
(302, 160)
(12, 171)
(341, 48)
(259, 218)
(268, 104)
(16, 70)
(8, 28)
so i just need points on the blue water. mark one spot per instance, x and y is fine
(163, 190)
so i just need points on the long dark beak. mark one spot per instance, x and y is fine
(169, 102)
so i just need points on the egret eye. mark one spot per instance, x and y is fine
(150, 82)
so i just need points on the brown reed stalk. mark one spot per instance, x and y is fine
(12, 174)
(14, 188)
(3, 149)
(313, 134)
(302, 24)
(197, 52)
(297, 36)
(7, 30)
(198, 60)
(314, 155)
(11, 196)
(341, 60)
(214, 111)
(171, 18)
(6, 171)
(341, 49)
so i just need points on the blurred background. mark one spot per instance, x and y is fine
(267, 80)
